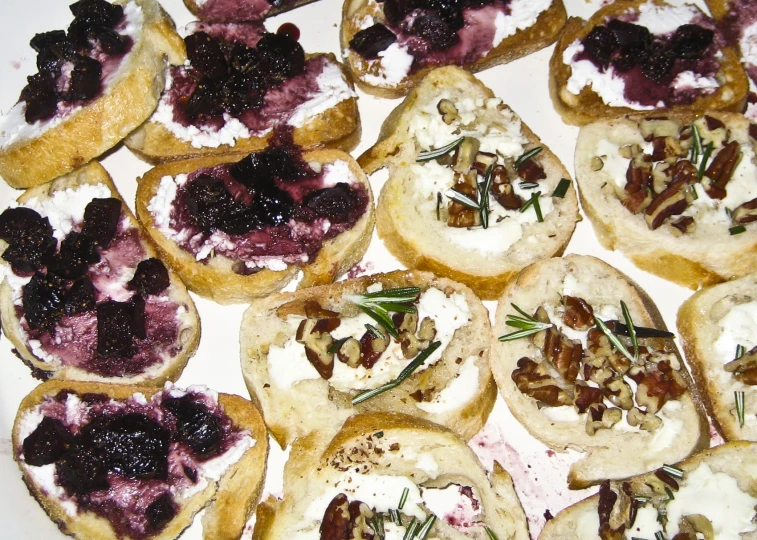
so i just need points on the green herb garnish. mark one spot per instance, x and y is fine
(528, 325)
(378, 434)
(740, 351)
(375, 332)
(426, 527)
(438, 206)
(738, 229)
(377, 524)
(659, 535)
(526, 156)
(705, 157)
(693, 192)
(438, 152)
(675, 472)
(641, 499)
(412, 366)
(613, 339)
(562, 188)
(377, 305)
(631, 329)
(528, 185)
(696, 148)
(336, 345)
(534, 201)
(410, 531)
(739, 397)
(490, 533)
(403, 498)
(483, 196)
(463, 199)
(394, 515)
(669, 492)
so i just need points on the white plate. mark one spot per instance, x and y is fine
(538, 472)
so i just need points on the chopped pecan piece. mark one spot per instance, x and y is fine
(448, 111)
(713, 123)
(336, 519)
(745, 213)
(578, 313)
(646, 421)
(686, 224)
(586, 396)
(314, 335)
(607, 500)
(530, 171)
(601, 417)
(745, 362)
(360, 516)
(669, 203)
(405, 322)
(748, 377)
(349, 352)
(313, 310)
(563, 353)
(638, 177)
(721, 169)
(658, 386)
(753, 131)
(483, 161)
(371, 348)
(465, 155)
(534, 381)
(619, 393)
(460, 215)
(503, 191)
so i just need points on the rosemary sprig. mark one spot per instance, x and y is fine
(528, 325)
(438, 206)
(394, 515)
(462, 198)
(675, 472)
(642, 499)
(631, 329)
(411, 528)
(404, 374)
(659, 535)
(337, 344)
(528, 185)
(696, 148)
(738, 229)
(483, 197)
(693, 192)
(740, 351)
(534, 201)
(378, 434)
(403, 498)
(490, 533)
(372, 330)
(705, 157)
(613, 339)
(669, 493)
(526, 156)
(739, 397)
(562, 188)
(377, 524)
(426, 527)
(377, 305)
(438, 152)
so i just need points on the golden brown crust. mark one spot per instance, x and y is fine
(93, 129)
(587, 106)
(524, 42)
(216, 279)
(189, 338)
(230, 500)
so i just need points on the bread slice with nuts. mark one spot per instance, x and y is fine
(330, 204)
(389, 48)
(573, 377)
(310, 359)
(446, 142)
(387, 473)
(84, 296)
(84, 449)
(678, 208)
(710, 495)
(644, 55)
(74, 132)
(717, 332)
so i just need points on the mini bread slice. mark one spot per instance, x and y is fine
(226, 277)
(31, 155)
(532, 208)
(573, 388)
(390, 53)
(307, 375)
(717, 332)
(710, 495)
(217, 463)
(684, 217)
(387, 462)
(597, 72)
(71, 348)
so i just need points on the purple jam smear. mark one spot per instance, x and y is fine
(240, 10)
(742, 14)
(135, 500)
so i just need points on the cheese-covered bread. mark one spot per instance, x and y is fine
(315, 357)
(570, 373)
(710, 495)
(390, 47)
(384, 474)
(451, 140)
(718, 327)
(128, 462)
(675, 194)
(644, 55)
(84, 296)
(98, 83)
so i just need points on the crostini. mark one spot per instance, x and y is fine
(223, 11)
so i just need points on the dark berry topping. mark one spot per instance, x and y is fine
(47, 443)
(48, 40)
(85, 79)
(77, 252)
(195, 425)
(160, 512)
(439, 33)
(80, 297)
(138, 316)
(600, 45)
(212, 207)
(40, 96)
(658, 64)
(44, 299)
(372, 40)
(80, 471)
(691, 41)
(334, 203)
(206, 56)
(282, 162)
(97, 12)
(30, 239)
(290, 30)
(101, 217)
(272, 206)
(629, 35)
(283, 56)
(117, 324)
(151, 277)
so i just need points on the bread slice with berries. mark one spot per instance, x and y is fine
(644, 55)
(84, 447)
(678, 208)
(710, 495)
(389, 48)
(219, 11)
(96, 114)
(440, 143)
(572, 376)
(84, 297)
(717, 333)
(386, 464)
(315, 357)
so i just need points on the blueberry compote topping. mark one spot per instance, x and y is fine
(70, 63)
(269, 204)
(68, 302)
(103, 450)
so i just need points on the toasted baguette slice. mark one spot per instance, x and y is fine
(712, 324)
(215, 278)
(714, 247)
(39, 154)
(228, 484)
(715, 498)
(456, 389)
(219, 11)
(496, 33)
(549, 392)
(372, 460)
(173, 354)
(588, 104)
(412, 214)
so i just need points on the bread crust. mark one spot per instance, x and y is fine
(542, 33)
(337, 127)
(202, 12)
(587, 106)
(706, 256)
(229, 501)
(609, 453)
(314, 455)
(91, 130)
(699, 326)
(216, 280)
(189, 335)
(314, 405)
(419, 240)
